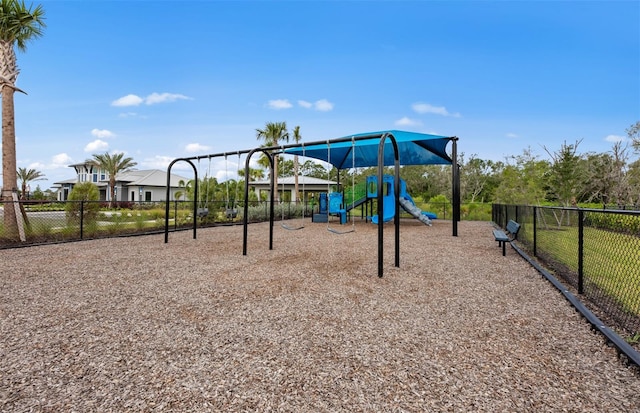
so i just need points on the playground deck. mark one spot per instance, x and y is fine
(133, 324)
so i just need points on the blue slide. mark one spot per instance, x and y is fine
(388, 209)
(406, 202)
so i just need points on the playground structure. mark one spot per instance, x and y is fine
(406, 201)
(386, 148)
(333, 204)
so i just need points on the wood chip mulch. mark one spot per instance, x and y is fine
(133, 324)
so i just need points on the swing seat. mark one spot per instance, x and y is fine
(203, 212)
(231, 213)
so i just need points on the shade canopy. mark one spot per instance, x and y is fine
(358, 151)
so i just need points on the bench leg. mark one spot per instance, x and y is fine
(504, 248)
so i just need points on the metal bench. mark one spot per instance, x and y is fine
(506, 236)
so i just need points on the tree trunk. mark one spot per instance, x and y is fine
(9, 174)
(112, 190)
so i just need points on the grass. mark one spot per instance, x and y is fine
(610, 260)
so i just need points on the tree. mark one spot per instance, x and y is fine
(255, 174)
(475, 177)
(566, 180)
(179, 193)
(273, 134)
(83, 201)
(600, 179)
(38, 194)
(18, 25)
(414, 176)
(613, 175)
(28, 175)
(437, 181)
(633, 176)
(633, 132)
(523, 181)
(313, 169)
(112, 165)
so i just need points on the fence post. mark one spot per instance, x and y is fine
(580, 251)
(535, 231)
(81, 219)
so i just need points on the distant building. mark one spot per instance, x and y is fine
(147, 186)
(307, 186)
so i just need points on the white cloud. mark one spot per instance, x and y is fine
(164, 97)
(278, 104)
(323, 105)
(614, 138)
(405, 121)
(128, 115)
(152, 99)
(38, 166)
(423, 108)
(512, 135)
(161, 162)
(305, 104)
(129, 100)
(96, 146)
(196, 147)
(61, 160)
(102, 133)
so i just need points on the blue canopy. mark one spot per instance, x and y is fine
(413, 149)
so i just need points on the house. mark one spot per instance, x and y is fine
(307, 185)
(134, 186)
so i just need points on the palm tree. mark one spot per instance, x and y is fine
(273, 134)
(18, 25)
(254, 174)
(113, 165)
(296, 139)
(28, 175)
(178, 194)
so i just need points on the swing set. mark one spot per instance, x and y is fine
(301, 224)
(415, 148)
(336, 204)
(203, 203)
(231, 208)
(203, 209)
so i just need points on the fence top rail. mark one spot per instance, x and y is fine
(606, 211)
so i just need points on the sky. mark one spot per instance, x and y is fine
(159, 80)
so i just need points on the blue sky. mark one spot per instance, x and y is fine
(165, 79)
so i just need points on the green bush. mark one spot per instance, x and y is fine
(439, 205)
(83, 197)
(614, 222)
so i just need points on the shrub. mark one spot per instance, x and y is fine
(613, 222)
(440, 205)
(83, 197)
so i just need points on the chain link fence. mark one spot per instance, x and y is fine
(594, 252)
(60, 221)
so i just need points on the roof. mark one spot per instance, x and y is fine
(66, 181)
(151, 177)
(302, 180)
(413, 149)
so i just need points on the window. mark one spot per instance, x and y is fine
(133, 195)
(147, 196)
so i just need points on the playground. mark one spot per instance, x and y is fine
(134, 324)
